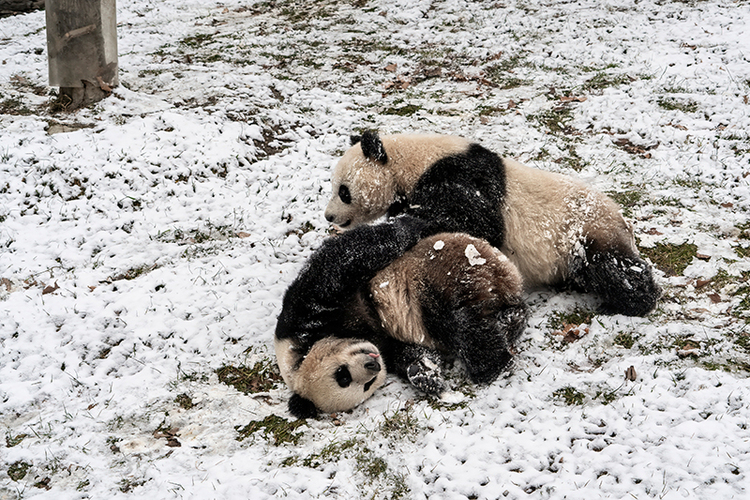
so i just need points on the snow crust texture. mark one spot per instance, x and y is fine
(146, 242)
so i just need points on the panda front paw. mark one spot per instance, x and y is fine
(425, 375)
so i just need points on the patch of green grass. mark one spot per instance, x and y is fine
(558, 320)
(505, 80)
(377, 472)
(729, 366)
(672, 103)
(332, 451)
(606, 396)
(261, 377)
(281, 430)
(742, 252)
(570, 396)
(669, 201)
(438, 405)
(598, 69)
(132, 273)
(183, 376)
(742, 340)
(197, 40)
(602, 80)
(184, 401)
(196, 236)
(402, 424)
(129, 484)
(555, 121)
(14, 106)
(689, 182)
(743, 308)
(624, 339)
(371, 466)
(490, 110)
(675, 90)
(671, 259)
(17, 470)
(407, 110)
(572, 159)
(11, 440)
(627, 200)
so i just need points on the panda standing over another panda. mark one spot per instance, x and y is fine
(557, 231)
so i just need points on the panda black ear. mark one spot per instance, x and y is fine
(354, 139)
(372, 147)
(301, 407)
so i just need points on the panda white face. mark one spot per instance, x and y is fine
(336, 375)
(374, 172)
(363, 189)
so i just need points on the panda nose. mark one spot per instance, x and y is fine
(330, 217)
(373, 365)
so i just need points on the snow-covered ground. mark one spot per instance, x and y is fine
(145, 244)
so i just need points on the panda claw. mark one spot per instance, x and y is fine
(425, 376)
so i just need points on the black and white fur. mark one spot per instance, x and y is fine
(557, 231)
(367, 300)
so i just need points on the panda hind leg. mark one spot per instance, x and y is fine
(418, 364)
(625, 284)
(485, 344)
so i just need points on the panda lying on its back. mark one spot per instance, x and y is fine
(365, 299)
(555, 230)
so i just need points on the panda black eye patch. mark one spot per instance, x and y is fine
(345, 195)
(343, 377)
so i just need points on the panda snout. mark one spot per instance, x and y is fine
(373, 364)
(330, 217)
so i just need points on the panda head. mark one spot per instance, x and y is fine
(377, 172)
(363, 186)
(335, 375)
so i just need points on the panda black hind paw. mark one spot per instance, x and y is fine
(425, 375)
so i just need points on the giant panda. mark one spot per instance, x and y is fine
(392, 296)
(557, 231)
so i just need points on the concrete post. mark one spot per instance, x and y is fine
(82, 50)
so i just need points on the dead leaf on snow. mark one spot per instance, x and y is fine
(572, 99)
(635, 149)
(570, 332)
(400, 82)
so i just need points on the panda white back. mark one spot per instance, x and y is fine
(550, 216)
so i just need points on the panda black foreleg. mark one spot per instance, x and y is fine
(625, 284)
(483, 342)
(314, 302)
(418, 364)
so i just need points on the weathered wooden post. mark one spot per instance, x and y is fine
(82, 50)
